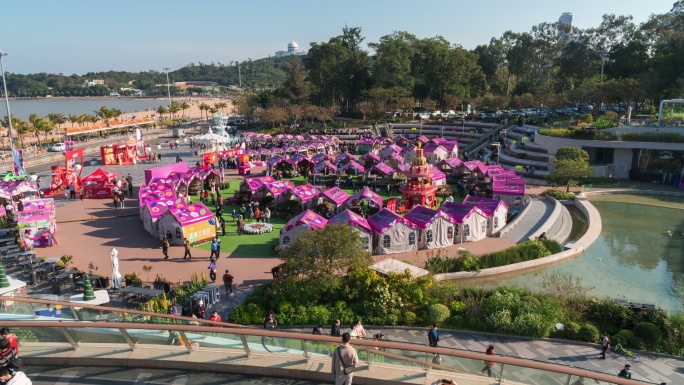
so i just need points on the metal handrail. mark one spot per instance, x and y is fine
(520, 362)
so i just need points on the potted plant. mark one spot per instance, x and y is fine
(133, 279)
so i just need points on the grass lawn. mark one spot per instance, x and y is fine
(258, 244)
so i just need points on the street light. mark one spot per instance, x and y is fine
(15, 155)
(168, 89)
(239, 77)
(498, 150)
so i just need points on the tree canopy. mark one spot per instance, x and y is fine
(570, 164)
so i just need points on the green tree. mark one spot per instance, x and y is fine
(184, 106)
(296, 87)
(161, 110)
(334, 249)
(570, 164)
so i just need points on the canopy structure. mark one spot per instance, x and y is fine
(389, 150)
(9, 189)
(367, 141)
(369, 156)
(449, 164)
(472, 165)
(393, 233)
(323, 167)
(252, 184)
(305, 193)
(277, 159)
(437, 232)
(296, 159)
(344, 157)
(510, 191)
(423, 140)
(358, 223)
(320, 157)
(354, 166)
(438, 177)
(383, 168)
(470, 222)
(295, 227)
(336, 195)
(194, 222)
(365, 194)
(277, 188)
(100, 175)
(495, 210)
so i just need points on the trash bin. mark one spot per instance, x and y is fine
(34, 278)
(56, 289)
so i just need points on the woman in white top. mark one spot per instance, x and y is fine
(357, 330)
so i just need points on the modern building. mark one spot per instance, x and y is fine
(94, 82)
(292, 50)
(566, 18)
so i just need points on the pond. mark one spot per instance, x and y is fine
(634, 258)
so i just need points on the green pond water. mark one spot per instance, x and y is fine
(634, 258)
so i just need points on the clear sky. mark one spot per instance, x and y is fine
(78, 36)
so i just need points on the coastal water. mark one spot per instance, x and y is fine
(22, 108)
(634, 258)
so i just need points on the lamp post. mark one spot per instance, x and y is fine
(239, 77)
(15, 155)
(168, 89)
(498, 150)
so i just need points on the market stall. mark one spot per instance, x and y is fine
(36, 223)
(358, 223)
(336, 198)
(194, 221)
(470, 223)
(305, 195)
(295, 227)
(436, 230)
(98, 185)
(495, 210)
(15, 188)
(392, 233)
(154, 209)
(131, 152)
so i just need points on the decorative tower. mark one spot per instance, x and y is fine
(419, 189)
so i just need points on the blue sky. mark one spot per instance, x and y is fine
(78, 36)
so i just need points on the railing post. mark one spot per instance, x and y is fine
(128, 339)
(501, 374)
(304, 349)
(186, 341)
(244, 344)
(70, 338)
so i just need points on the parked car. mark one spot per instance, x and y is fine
(57, 147)
(9, 176)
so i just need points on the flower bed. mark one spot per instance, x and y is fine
(257, 228)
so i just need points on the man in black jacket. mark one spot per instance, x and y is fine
(335, 329)
(433, 336)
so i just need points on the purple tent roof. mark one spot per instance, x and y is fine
(351, 218)
(306, 192)
(487, 205)
(313, 137)
(437, 174)
(472, 165)
(432, 147)
(369, 154)
(508, 178)
(256, 182)
(299, 137)
(451, 162)
(192, 213)
(320, 157)
(385, 218)
(384, 168)
(280, 136)
(421, 216)
(501, 173)
(508, 188)
(402, 167)
(423, 139)
(308, 219)
(493, 167)
(277, 159)
(157, 208)
(277, 188)
(336, 195)
(368, 194)
(322, 166)
(457, 212)
(345, 156)
(438, 140)
(397, 157)
(353, 164)
(16, 187)
(367, 141)
(288, 136)
(298, 158)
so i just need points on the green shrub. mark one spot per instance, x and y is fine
(319, 314)
(457, 321)
(250, 314)
(588, 333)
(625, 334)
(560, 195)
(438, 313)
(649, 333)
(571, 330)
(409, 317)
(636, 343)
(458, 307)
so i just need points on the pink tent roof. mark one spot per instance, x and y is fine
(256, 182)
(501, 173)
(320, 157)
(368, 195)
(204, 172)
(370, 155)
(422, 216)
(457, 212)
(188, 176)
(307, 219)
(395, 156)
(350, 218)
(267, 136)
(423, 139)
(153, 193)
(402, 167)
(306, 192)
(299, 137)
(313, 137)
(432, 147)
(15, 187)
(437, 174)
(298, 158)
(345, 156)
(438, 140)
(280, 136)
(277, 188)
(386, 218)
(322, 166)
(290, 149)
(354, 165)
(100, 175)
(336, 195)
(509, 188)
(157, 208)
(288, 136)
(494, 167)
(192, 213)
(277, 150)
(508, 178)
(383, 168)
(367, 141)
(472, 165)
(451, 162)
(487, 205)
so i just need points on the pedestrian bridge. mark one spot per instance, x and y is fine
(75, 335)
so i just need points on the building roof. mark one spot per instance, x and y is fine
(193, 213)
(306, 192)
(351, 218)
(457, 212)
(336, 195)
(386, 218)
(366, 194)
(307, 219)
(353, 164)
(322, 166)
(422, 216)
(487, 205)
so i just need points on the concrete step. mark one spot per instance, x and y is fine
(538, 212)
(560, 231)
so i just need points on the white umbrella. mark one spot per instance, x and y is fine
(116, 276)
(210, 138)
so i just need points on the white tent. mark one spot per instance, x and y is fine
(435, 228)
(470, 222)
(116, 276)
(495, 210)
(392, 233)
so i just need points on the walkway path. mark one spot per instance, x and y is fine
(645, 367)
(536, 215)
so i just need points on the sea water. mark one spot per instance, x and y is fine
(22, 108)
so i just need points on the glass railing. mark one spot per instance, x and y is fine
(110, 342)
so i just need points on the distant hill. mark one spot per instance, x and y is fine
(262, 73)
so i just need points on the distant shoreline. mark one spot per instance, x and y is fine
(41, 98)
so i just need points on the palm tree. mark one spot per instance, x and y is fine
(184, 106)
(56, 119)
(203, 107)
(213, 110)
(73, 119)
(103, 113)
(161, 111)
(174, 108)
(22, 128)
(221, 106)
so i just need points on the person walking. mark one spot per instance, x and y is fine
(433, 336)
(267, 215)
(121, 199)
(222, 222)
(165, 248)
(335, 329)
(240, 225)
(214, 249)
(626, 372)
(358, 331)
(124, 187)
(228, 283)
(212, 270)
(344, 360)
(186, 244)
(218, 248)
(605, 345)
(72, 191)
(130, 188)
(234, 215)
(115, 198)
(489, 364)
(251, 214)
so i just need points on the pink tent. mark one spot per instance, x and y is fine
(354, 166)
(438, 229)
(194, 222)
(277, 188)
(356, 221)
(320, 157)
(296, 159)
(321, 167)
(306, 194)
(337, 196)
(438, 177)
(295, 227)
(252, 184)
(392, 233)
(365, 194)
(344, 157)
(495, 210)
(369, 155)
(383, 168)
(470, 222)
